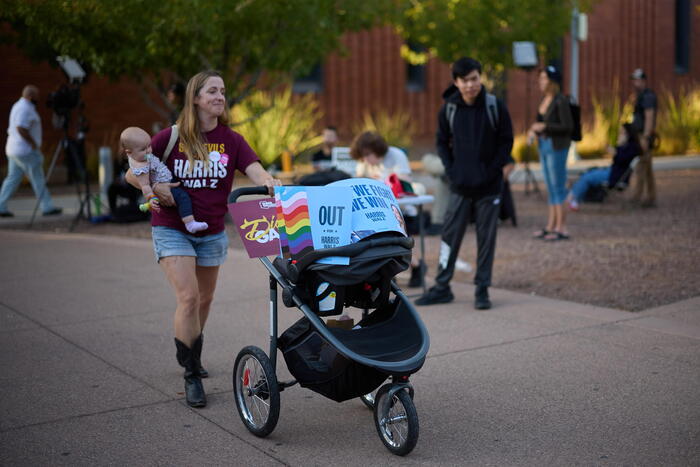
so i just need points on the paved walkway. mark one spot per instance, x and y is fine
(89, 375)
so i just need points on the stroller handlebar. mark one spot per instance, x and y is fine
(245, 191)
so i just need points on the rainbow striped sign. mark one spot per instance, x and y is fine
(312, 218)
(294, 206)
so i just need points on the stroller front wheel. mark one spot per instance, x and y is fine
(256, 391)
(396, 419)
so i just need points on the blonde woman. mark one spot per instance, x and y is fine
(203, 160)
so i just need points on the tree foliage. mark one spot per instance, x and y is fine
(484, 29)
(243, 39)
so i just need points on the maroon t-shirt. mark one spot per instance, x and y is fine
(209, 182)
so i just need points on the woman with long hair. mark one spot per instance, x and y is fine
(552, 129)
(203, 161)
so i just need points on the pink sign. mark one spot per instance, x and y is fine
(256, 221)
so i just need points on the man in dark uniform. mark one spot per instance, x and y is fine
(474, 141)
(644, 122)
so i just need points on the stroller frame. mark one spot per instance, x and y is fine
(392, 403)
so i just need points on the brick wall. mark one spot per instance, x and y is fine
(372, 77)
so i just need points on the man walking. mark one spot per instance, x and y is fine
(24, 155)
(474, 140)
(644, 122)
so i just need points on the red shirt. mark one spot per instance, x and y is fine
(209, 182)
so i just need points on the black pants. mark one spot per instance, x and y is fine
(457, 217)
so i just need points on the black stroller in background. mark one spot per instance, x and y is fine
(389, 343)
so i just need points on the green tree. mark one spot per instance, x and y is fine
(484, 29)
(254, 43)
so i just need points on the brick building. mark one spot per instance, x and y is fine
(658, 35)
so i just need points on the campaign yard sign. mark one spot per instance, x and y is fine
(374, 208)
(312, 218)
(256, 221)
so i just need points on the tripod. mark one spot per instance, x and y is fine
(69, 147)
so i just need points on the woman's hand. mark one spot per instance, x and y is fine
(259, 176)
(271, 184)
(538, 127)
(162, 191)
(531, 136)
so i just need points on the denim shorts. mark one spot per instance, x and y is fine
(209, 250)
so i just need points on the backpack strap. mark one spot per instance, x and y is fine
(450, 110)
(171, 143)
(492, 110)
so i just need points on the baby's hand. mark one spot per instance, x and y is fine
(155, 204)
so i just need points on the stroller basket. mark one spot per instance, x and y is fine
(390, 334)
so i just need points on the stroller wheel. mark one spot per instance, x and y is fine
(256, 392)
(396, 419)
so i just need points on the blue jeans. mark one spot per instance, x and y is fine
(588, 180)
(554, 170)
(31, 165)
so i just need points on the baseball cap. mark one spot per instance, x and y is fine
(638, 74)
(553, 74)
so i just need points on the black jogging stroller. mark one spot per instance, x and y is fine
(388, 344)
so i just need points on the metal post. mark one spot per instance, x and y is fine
(574, 68)
(574, 65)
(273, 322)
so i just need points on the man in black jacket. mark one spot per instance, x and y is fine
(474, 141)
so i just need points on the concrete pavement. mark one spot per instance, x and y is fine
(89, 375)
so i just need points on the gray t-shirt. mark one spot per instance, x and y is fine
(645, 100)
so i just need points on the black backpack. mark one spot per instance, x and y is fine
(576, 115)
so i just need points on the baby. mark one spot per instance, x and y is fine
(136, 144)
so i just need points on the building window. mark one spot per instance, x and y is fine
(415, 74)
(310, 82)
(683, 14)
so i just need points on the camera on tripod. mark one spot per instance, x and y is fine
(64, 100)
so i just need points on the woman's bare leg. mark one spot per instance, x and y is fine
(206, 279)
(551, 217)
(181, 273)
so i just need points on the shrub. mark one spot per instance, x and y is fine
(277, 123)
(396, 128)
(609, 112)
(679, 122)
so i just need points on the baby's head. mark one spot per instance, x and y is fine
(135, 143)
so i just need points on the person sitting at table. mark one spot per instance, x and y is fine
(322, 159)
(377, 160)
